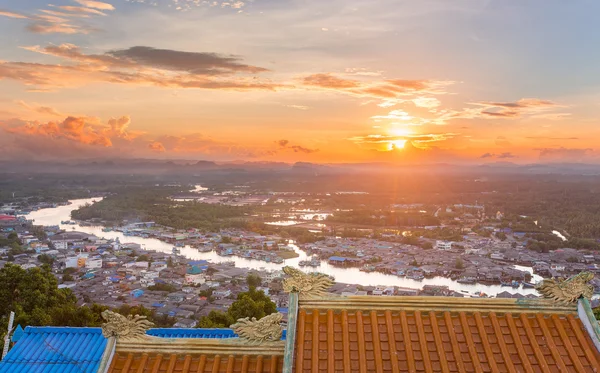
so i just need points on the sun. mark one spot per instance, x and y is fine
(399, 132)
(398, 144)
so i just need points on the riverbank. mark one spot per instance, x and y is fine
(54, 216)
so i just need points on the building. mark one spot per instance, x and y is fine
(443, 245)
(196, 279)
(93, 263)
(339, 334)
(71, 262)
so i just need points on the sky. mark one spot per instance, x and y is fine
(335, 81)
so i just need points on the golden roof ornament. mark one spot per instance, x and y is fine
(125, 328)
(308, 286)
(268, 329)
(567, 291)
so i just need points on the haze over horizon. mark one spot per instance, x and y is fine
(340, 81)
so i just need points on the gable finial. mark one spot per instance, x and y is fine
(567, 291)
(125, 328)
(267, 329)
(308, 286)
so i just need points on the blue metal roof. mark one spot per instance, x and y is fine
(196, 333)
(191, 333)
(17, 334)
(56, 349)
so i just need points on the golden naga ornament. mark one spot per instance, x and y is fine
(567, 291)
(268, 329)
(308, 286)
(125, 328)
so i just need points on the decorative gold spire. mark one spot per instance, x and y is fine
(125, 328)
(267, 329)
(308, 286)
(567, 291)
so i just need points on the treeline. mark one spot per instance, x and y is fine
(571, 206)
(155, 205)
(384, 218)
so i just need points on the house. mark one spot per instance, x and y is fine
(497, 256)
(443, 245)
(185, 323)
(196, 279)
(93, 263)
(71, 262)
(382, 290)
(144, 282)
(220, 294)
(158, 266)
(137, 293)
(337, 260)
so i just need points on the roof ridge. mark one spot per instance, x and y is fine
(62, 329)
(422, 303)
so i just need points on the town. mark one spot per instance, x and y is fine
(114, 273)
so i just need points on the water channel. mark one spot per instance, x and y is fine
(54, 216)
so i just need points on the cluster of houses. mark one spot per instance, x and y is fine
(112, 273)
(474, 260)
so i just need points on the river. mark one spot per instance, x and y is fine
(54, 216)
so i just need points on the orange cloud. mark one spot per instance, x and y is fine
(79, 9)
(567, 154)
(72, 128)
(58, 28)
(8, 14)
(329, 81)
(40, 109)
(157, 147)
(515, 109)
(391, 91)
(95, 4)
(136, 65)
(285, 144)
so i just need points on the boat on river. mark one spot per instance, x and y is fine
(313, 262)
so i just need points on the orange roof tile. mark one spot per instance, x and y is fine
(129, 362)
(196, 355)
(362, 334)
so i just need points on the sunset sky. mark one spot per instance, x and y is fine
(326, 81)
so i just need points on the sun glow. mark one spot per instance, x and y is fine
(399, 132)
(397, 144)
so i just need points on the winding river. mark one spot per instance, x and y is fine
(54, 216)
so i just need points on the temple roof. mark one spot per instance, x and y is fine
(56, 349)
(327, 333)
(192, 333)
(188, 363)
(170, 355)
(435, 334)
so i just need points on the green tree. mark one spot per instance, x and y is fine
(163, 287)
(459, 264)
(46, 259)
(143, 258)
(253, 280)
(253, 303)
(69, 271)
(216, 319)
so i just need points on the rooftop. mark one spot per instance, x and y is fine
(56, 349)
(436, 334)
(328, 333)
